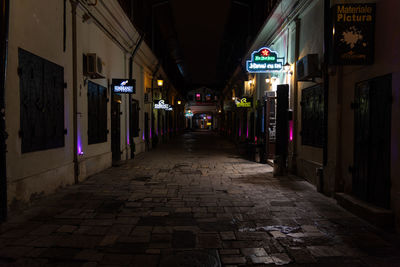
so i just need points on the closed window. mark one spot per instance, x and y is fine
(312, 116)
(42, 103)
(97, 113)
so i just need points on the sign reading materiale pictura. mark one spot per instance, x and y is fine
(124, 86)
(353, 34)
(264, 60)
(244, 102)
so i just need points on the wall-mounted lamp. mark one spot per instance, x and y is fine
(233, 98)
(267, 80)
(179, 102)
(286, 67)
(160, 82)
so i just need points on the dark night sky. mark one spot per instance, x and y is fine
(200, 27)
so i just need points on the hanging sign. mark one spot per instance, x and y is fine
(123, 86)
(244, 102)
(353, 34)
(160, 104)
(264, 60)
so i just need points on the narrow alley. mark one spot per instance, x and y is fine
(191, 202)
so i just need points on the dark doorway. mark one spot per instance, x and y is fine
(3, 134)
(146, 130)
(282, 130)
(372, 126)
(270, 125)
(116, 128)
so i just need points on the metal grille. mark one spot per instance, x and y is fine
(97, 113)
(372, 127)
(41, 102)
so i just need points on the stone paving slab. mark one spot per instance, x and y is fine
(192, 202)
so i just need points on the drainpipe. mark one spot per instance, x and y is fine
(322, 182)
(3, 133)
(74, 5)
(296, 99)
(327, 34)
(155, 137)
(131, 138)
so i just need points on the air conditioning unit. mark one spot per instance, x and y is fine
(308, 68)
(93, 66)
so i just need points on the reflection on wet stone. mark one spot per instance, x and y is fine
(208, 207)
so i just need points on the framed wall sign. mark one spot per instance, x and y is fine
(123, 86)
(264, 60)
(160, 104)
(244, 102)
(353, 34)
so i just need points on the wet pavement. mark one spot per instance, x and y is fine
(192, 202)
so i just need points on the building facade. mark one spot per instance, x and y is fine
(64, 120)
(341, 126)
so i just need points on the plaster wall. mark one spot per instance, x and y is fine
(91, 39)
(37, 26)
(311, 42)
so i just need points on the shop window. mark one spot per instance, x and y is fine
(208, 98)
(312, 116)
(41, 103)
(97, 113)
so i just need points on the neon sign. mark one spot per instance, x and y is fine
(244, 102)
(264, 60)
(162, 105)
(124, 86)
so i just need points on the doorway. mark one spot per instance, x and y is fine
(372, 127)
(116, 128)
(270, 126)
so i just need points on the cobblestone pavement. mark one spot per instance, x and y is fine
(192, 202)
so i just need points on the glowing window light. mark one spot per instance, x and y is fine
(160, 82)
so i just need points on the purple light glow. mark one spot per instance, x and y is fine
(80, 152)
(247, 131)
(150, 134)
(127, 137)
(143, 136)
(291, 130)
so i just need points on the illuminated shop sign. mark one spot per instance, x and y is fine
(160, 104)
(353, 34)
(264, 60)
(244, 102)
(123, 86)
